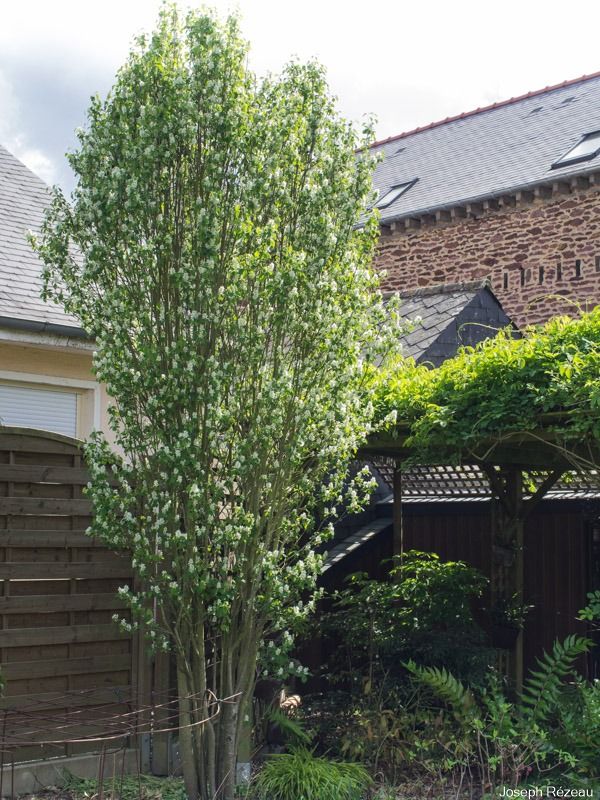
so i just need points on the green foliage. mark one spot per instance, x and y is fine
(422, 611)
(470, 739)
(576, 729)
(128, 788)
(291, 729)
(591, 612)
(303, 776)
(542, 689)
(502, 742)
(502, 385)
(447, 688)
(212, 248)
(389, 734)
(509, 611)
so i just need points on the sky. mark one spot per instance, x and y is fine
(407, 63)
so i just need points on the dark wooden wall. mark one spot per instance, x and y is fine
(557, 572)
(557, 565)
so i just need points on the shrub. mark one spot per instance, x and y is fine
(591, 613)
(391, 738)
(290, 731)
(577, 729)
(301, 775)
(423, 612)
(371, 712)
(501, 742)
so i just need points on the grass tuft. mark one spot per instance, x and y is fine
(300, 775)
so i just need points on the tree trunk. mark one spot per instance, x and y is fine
(226, 776)
(186, 738)
(209, 747)
(204, 734)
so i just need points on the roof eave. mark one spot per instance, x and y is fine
(431, 211)
(70, 331)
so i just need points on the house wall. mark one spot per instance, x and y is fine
(540, 256)
(55, 366)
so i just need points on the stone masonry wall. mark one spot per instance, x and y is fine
(542, 258)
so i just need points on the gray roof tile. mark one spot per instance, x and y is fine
(23, 200)
(449, 315)
(490, 152)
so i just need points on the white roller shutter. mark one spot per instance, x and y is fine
(38, 408)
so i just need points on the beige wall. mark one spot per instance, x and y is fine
(57, 364)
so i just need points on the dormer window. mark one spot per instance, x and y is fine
(587, 148)
(390, 195)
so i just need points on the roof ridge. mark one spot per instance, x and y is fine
(11, 157)
(491, 107)
(442, 288)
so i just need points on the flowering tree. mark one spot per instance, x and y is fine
(212, 250)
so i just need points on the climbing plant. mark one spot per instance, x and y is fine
(546, 379)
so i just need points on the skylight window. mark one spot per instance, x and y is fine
(390, 195)
(587, 148)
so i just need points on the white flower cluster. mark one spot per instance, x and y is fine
(222, 274)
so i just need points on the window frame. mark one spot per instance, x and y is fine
(89, 405)
(405, 186)
(565, 161)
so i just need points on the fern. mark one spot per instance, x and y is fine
(292, 731)
(496, 708)
(504, 741)
(542, 689)
(447, 688)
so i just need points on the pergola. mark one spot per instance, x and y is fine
(521, 467)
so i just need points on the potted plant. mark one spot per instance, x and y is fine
(507, 619)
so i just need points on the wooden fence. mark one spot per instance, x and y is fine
(58, 593)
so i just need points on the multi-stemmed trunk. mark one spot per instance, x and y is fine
(215, 690)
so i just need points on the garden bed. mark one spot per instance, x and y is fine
(172, 789)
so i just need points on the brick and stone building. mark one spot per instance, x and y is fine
(509, 192)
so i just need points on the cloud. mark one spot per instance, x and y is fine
(43, 99)
(53, 57)
(38, 162)
(409, 64)
(13, 134)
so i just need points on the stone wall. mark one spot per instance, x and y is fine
(542, 257)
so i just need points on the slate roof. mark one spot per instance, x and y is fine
(493, 151)
(450, 316)
(23, 200)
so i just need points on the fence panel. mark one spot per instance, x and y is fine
(57, 597)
